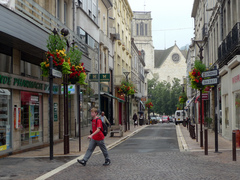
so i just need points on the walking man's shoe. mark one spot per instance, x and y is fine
(107, 162)
(82, 162)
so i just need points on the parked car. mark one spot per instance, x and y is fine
(170, 119)
(165, 119)
(159, 119)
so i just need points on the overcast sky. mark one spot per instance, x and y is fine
(171, 21)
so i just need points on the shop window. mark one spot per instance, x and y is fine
(226, 112)
(237, 110)
(30, 70)
(4, 119)
(31, 118)
(5, 63)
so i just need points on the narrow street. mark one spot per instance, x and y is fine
(152, 154)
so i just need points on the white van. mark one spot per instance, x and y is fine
(180, 115)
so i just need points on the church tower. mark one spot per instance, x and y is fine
(142, 34)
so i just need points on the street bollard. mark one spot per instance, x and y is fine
(234, 146)
(206, 140)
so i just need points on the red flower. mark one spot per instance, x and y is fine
(197, 81)
(199, 74)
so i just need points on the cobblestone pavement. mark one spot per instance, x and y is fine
(152, 153)
(148, 156)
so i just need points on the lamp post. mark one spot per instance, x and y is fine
(200, 44)
(65, 32)
(127, 123)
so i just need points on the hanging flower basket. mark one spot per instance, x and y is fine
(66, 62)
(127, 88)
(149, 104)
(183, 98)
(78, 74)
(195, 76)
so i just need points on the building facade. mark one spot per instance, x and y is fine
(120, 27)
(138, 79)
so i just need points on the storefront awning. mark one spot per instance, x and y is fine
(5, 92)
(142, 105)
(106, 94)
(189, 101)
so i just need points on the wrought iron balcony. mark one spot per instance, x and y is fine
(230, 46)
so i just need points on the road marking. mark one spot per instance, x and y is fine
(60, 168)
(181, 141)
(64, 166)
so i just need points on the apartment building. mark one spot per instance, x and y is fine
(120, 25)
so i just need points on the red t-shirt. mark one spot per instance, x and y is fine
(99, 136)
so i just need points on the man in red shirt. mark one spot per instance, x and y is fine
(96, 139)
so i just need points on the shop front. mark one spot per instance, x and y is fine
(23, 102)
(230, 97)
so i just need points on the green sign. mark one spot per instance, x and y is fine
(55, 110)
(24, 83)
(103, 77)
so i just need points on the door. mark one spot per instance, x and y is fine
(120, 112)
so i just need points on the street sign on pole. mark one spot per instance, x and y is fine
(56, 73)
(211, 73)
(212, 81)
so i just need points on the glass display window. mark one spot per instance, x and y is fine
(5, 125)
(31, 118)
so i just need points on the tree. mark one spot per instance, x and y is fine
(164, 96)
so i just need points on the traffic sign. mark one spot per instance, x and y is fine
(212, 81)
(211, 73)
(56, 73)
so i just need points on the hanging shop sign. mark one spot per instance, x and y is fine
(24, 83)
(103, 77)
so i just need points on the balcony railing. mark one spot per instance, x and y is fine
(37, 15)
(230, 46)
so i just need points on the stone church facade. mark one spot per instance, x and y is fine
(170, 63)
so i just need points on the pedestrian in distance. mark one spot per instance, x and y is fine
(96, 139)
(104, 119)
(135, 118)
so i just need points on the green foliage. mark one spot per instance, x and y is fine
(56, 42)
(75, 55)
(65, 68)
(195, 76)
(164, 96)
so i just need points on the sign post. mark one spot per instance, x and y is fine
(213, 81)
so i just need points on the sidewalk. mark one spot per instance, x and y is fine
(74, 146)
(193, 145)
(224, 154)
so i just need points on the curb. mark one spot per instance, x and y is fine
(181, 141)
